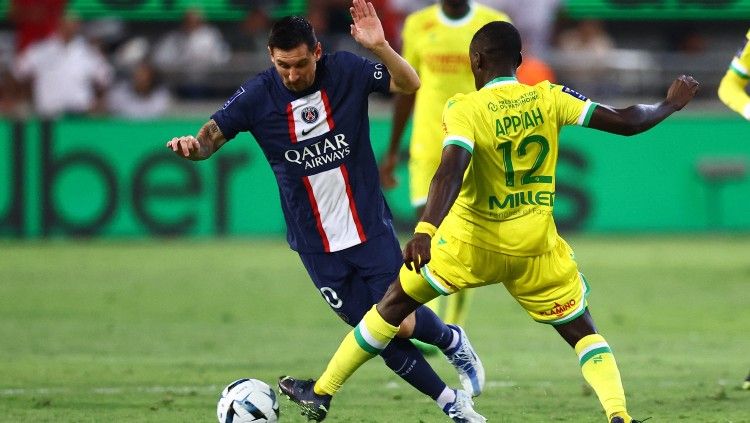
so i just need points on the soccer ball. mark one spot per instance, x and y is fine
(246, 401)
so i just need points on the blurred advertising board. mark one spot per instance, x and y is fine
(172, 9)
(114, 178)
(658, 9)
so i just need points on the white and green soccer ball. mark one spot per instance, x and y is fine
(248, 401)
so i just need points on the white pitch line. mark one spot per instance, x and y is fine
(110, 390)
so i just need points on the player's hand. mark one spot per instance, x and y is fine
(387, 169)
(681, 91)
(417, 252)
(366, 29)
(184, 146)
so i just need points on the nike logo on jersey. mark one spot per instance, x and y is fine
(307, 131)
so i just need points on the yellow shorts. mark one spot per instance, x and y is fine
(549, 287)
(421, 172)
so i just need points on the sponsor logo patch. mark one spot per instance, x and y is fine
(559, 310)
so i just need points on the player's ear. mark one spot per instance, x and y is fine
(476, 60)
(318, 51)
(270, 54)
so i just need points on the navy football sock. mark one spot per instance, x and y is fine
(429, 329)
(406, 361)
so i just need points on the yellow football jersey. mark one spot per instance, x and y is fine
(732, 86)
(508, 192)
(438, 48)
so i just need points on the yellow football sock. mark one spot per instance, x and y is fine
(600, 371)
(367, 340)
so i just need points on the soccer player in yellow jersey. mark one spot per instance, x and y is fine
(435, 41)
(732, 86)
(732, 93)
(488, 217)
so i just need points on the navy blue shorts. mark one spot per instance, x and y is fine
(354, 279)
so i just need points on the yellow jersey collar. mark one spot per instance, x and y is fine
(501, 80)
(456, 22)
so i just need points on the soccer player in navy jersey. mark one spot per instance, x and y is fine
(308, 114)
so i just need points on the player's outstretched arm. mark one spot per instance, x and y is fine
(368, 32)
(642, 117)
(444, 189)
(201, 146)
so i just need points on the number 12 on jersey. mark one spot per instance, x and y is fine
(528, 177)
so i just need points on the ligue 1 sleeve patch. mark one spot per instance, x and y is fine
(574, 93)
(236, 94)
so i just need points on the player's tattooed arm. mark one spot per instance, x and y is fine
(210, 138)
(200, 147)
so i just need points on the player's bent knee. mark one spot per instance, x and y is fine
(406, 329)
(396, 304)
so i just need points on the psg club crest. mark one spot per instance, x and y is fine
(310, 114)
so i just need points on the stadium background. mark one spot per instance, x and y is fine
(117, 259)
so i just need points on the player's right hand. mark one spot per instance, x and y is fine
(387, 169)
(681, 91)
(417, 252)
(184, 146)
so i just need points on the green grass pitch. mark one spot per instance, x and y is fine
(152, 331)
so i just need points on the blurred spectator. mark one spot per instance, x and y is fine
(66, 75)
(687, 39)
(35, 20)
(131, 53)
(535, 20)
(191, 53)
(141, 97)
(331, 19)
(7, 93)
(589, 48)
(106, 34)
(255, 26)
(589, 37)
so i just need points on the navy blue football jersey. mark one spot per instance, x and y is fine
(318, 145)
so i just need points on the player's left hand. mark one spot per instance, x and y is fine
(366, 29)
(417, 252)
(184, 146)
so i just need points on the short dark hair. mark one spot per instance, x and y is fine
(500, 41)
(290, 32)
